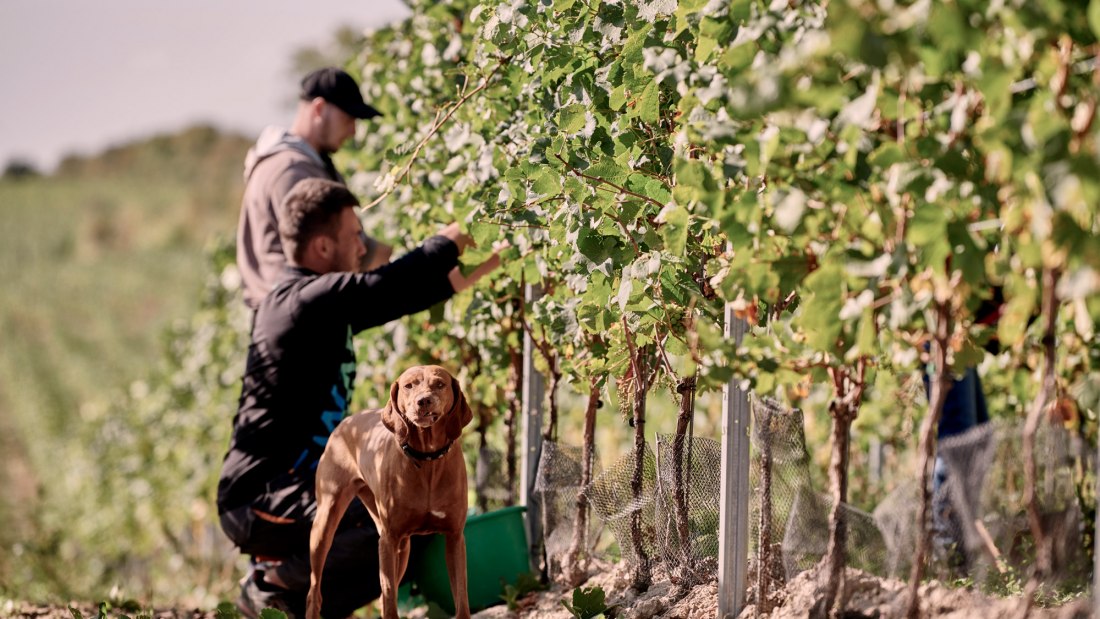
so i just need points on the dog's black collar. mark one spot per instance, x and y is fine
(425, 456)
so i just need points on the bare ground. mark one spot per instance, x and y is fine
(662, 600)
(89, 611)
(867, 597)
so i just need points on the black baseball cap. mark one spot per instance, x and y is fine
(338, 88)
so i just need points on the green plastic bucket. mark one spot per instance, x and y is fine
(496, 555)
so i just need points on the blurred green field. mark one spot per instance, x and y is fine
(96, 260)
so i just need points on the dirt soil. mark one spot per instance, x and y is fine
(89, 611)
(887, 598)
(662, 600)
(868, 597)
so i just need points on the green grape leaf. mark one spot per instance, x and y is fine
(1094, 17)
(674, 228)
(571, 118)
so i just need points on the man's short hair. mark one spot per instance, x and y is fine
(312, 207)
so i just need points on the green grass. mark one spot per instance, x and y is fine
(81, 309)
(95, 262)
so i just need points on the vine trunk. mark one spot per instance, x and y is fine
(940, 383)
(1043, 550)
(576, 559)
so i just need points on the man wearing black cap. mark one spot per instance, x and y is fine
(330, 102)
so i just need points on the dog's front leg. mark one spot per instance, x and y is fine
(403, 550)
(388, 564)
(456, 570)
(330, 508)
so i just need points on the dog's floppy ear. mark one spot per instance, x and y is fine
(393, 417)
(460, 415)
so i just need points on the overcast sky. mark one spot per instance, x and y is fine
(78, 76)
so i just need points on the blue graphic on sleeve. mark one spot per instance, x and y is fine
(331, 418)
(339, 408)
(301, 459)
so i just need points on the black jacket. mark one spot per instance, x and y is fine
(301, 368)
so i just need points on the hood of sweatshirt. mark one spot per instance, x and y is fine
(275, 140)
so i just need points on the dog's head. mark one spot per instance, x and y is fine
(423, 396)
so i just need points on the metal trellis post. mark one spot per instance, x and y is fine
(533, 391)
(733, 523)
(875, 457)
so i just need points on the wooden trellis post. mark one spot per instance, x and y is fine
(531, 451)
(733, 522)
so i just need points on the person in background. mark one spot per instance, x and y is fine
(329, 106)
(964, 408)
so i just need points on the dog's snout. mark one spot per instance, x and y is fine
(424, 400)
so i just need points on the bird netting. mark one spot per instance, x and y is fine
(671, 512)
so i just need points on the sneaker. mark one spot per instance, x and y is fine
(257, 595)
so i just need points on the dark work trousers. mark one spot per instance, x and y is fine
(350, 580)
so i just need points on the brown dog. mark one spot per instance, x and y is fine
(403, 463)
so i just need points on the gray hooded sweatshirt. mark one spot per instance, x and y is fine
(272, 167)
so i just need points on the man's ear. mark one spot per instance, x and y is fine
(460, 415)
(324, 245)
(394, 418)
(317, 106)
(318, 248)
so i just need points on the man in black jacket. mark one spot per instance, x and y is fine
(297, 383)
